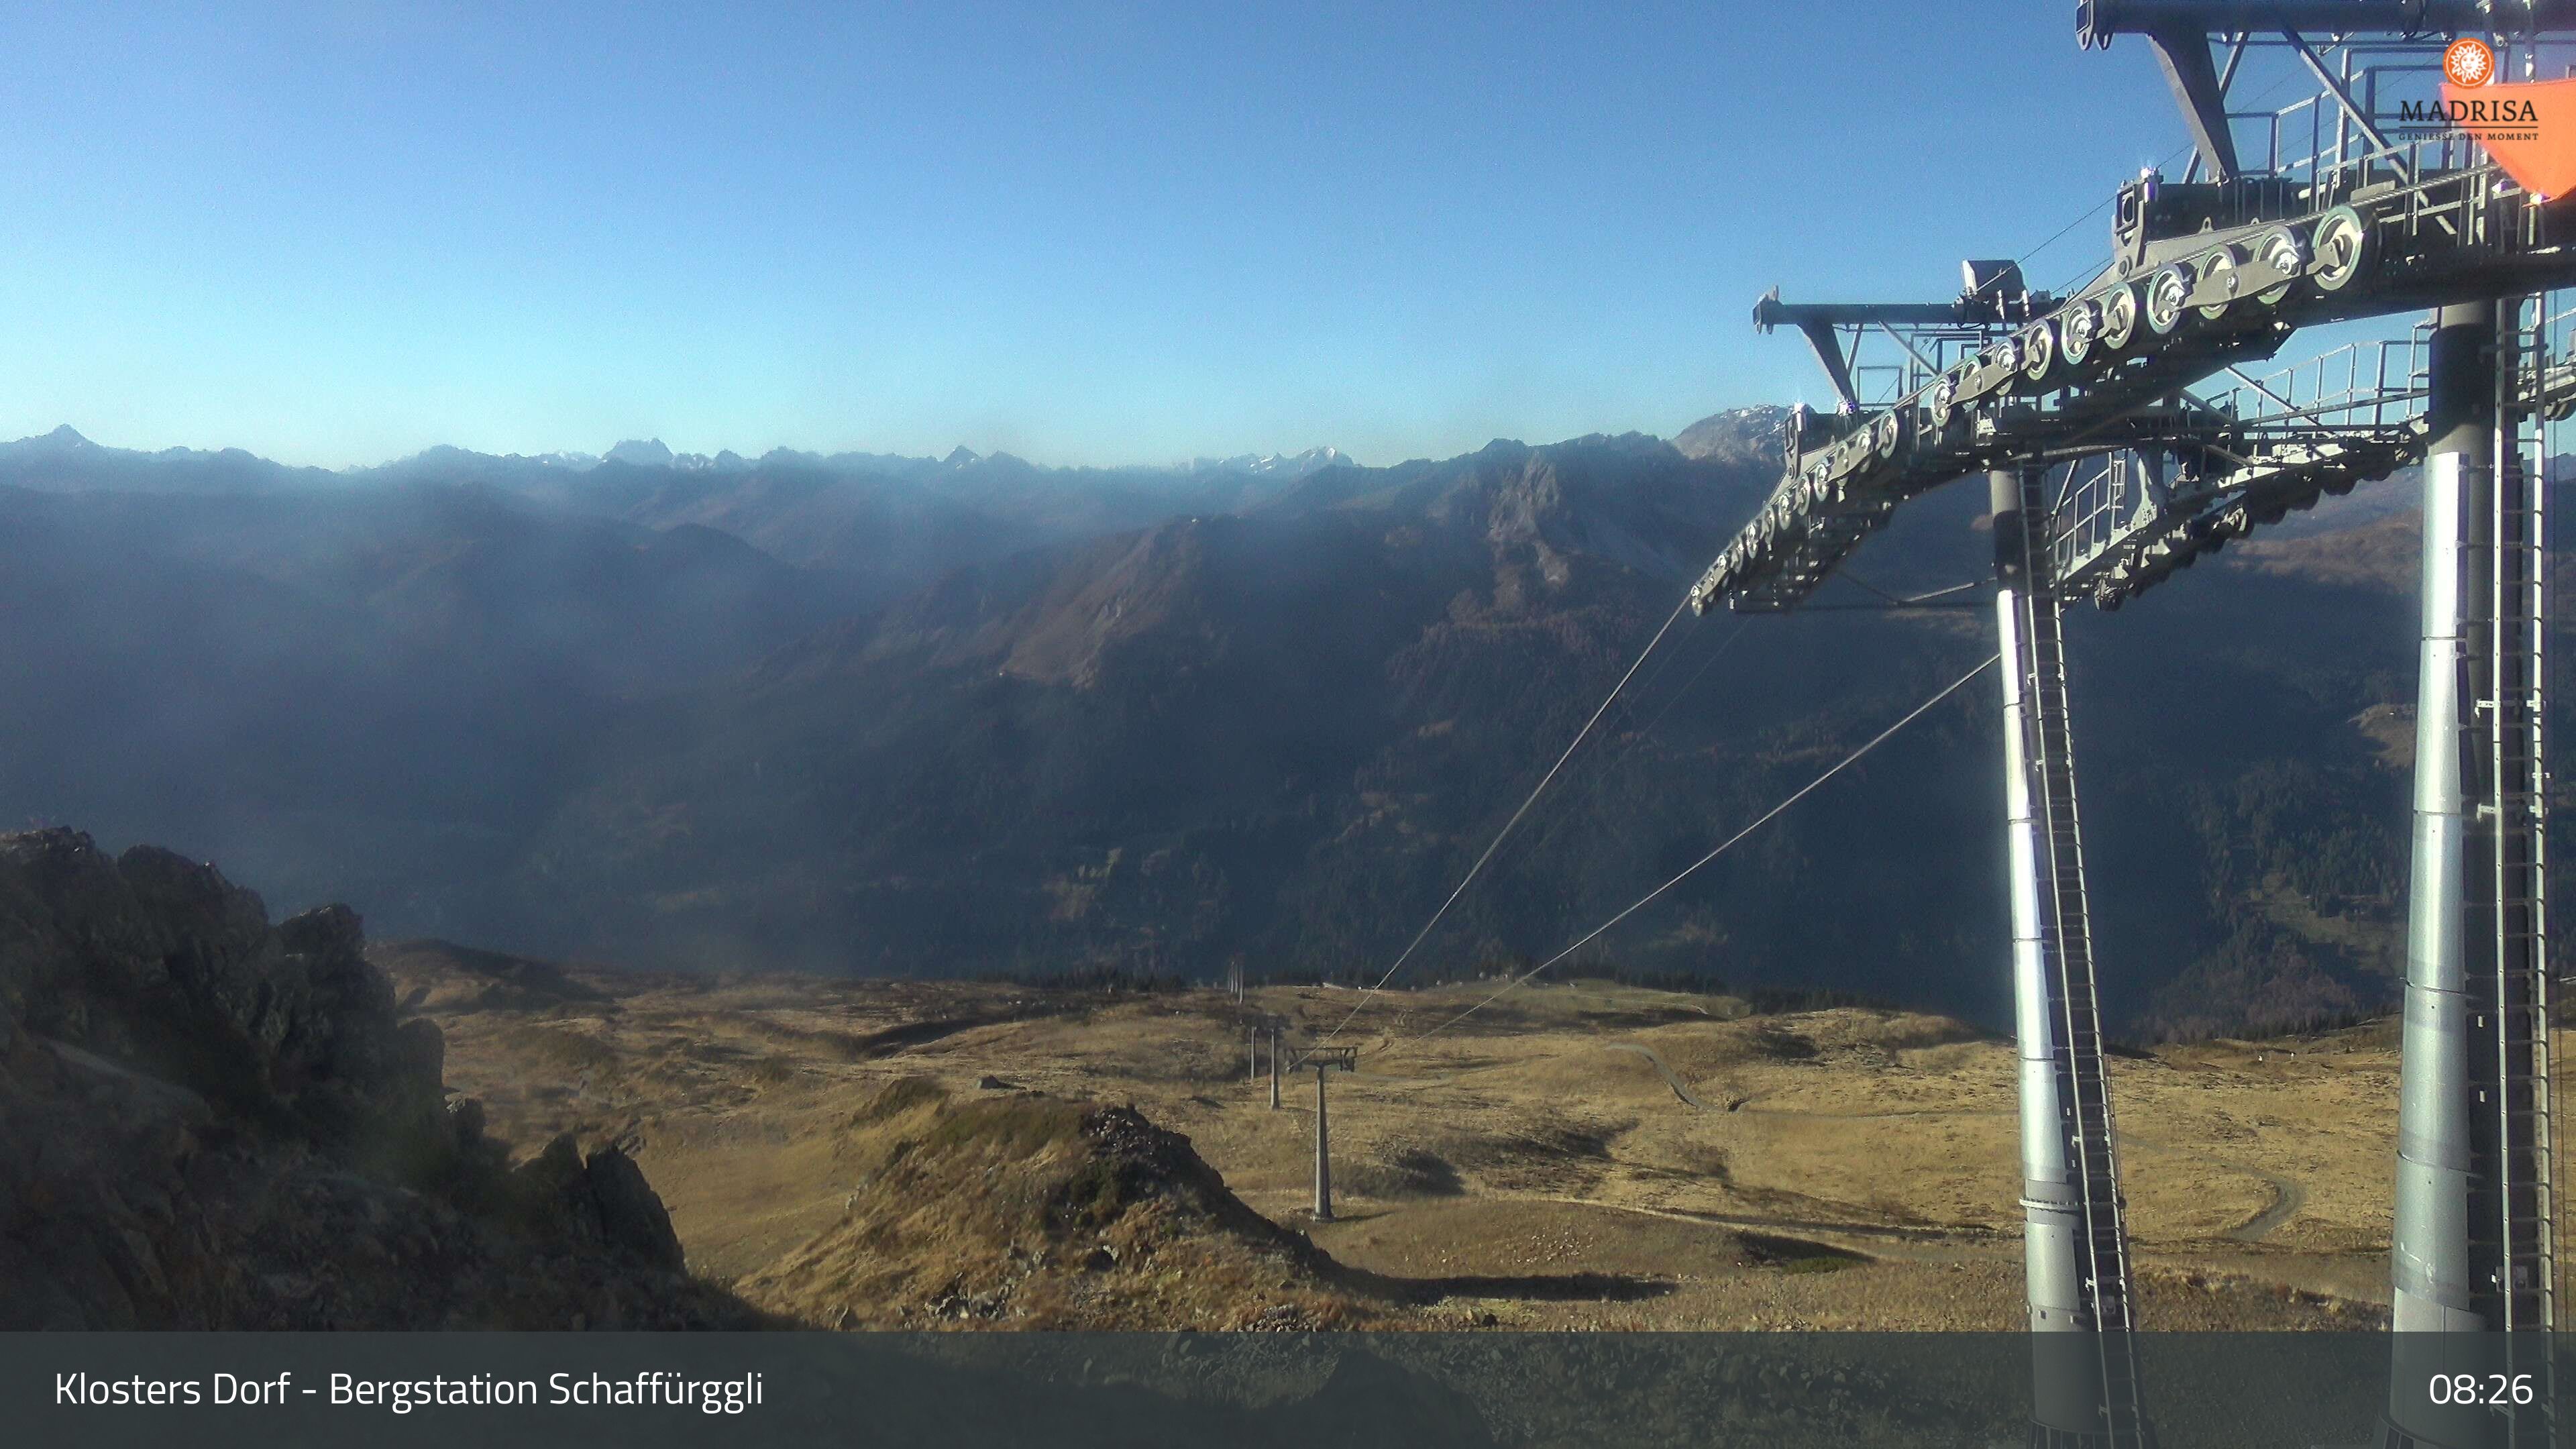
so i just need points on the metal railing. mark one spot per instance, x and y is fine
(2376, 383)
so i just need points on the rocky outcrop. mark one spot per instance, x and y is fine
(602, 1200)
(1029, 1211)
(210, 1122)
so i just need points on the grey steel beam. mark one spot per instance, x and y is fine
(2352, 110)
(1829, 352)
(1771, 312)
(2184, 55)
(2098, 21)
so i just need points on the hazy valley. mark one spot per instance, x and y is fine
(966, 717)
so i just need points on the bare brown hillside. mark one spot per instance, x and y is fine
(1579, 1155)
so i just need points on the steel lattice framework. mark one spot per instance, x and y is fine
(2140, 420)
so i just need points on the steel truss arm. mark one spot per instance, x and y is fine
(1994, 296)
(2098, 21)
(2225, 287)
(2202, 93)
(2352, 110)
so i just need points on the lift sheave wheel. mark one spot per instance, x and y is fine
(2119, 318)
(2224, 271)
(2284, 254)
(2343, 239)
(2038, 352)
(2077, 326)
(2168, 298)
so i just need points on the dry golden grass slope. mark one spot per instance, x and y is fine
(879, 1153)
(1041, 1213)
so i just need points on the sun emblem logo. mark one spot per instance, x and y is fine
(2468, 62)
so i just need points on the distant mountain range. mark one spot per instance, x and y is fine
(65, 461)
(949, 716)
(884, 523)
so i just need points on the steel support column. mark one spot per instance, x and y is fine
(2471, 1251)
(2429, 1261)
(2075, 1263)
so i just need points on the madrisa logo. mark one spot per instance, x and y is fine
(2469, 62)
(2528, 127)
(2471, 115)
(2471, 103)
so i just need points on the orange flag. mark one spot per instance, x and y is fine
(2529, 129)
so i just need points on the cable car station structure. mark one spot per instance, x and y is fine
(2136, 422)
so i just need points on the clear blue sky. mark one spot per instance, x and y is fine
(1085, 233)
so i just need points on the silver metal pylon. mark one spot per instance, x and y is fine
(2084, 1389)
(2473, 1249)
(1323, 1153)
(1325, 1059)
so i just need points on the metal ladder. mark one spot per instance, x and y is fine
(2513, 1200)
(2066, 939)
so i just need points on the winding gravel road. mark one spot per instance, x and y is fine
(2288, 1194)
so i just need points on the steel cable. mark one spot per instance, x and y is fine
(1508, 825)
(1730, 843)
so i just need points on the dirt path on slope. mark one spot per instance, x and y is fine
(2288, 1193)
